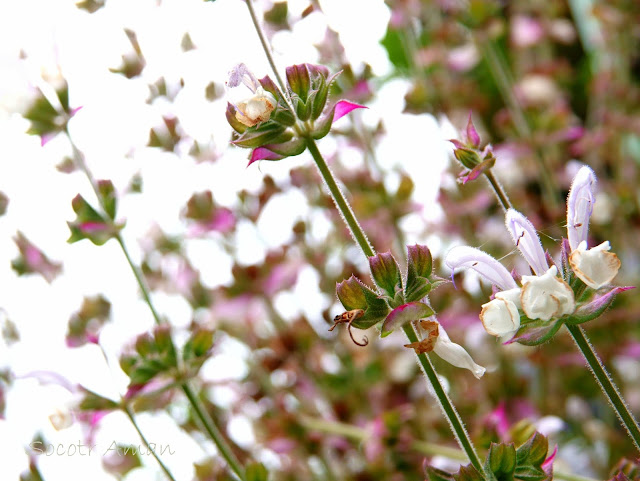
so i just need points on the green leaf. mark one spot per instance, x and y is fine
(353, 294)
(501, 461)
(468, 473)
(386, 273)
(416, 289)
(4, 202)
(198, 344)
(536, 332)
(435, 474)
(267, 133)
(89, 224)
(393, 44)
(534, 451)
(94, 402)
(256, 472)
(108, 197)
(404, 314)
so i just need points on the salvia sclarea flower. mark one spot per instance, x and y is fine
(276, 125)
(401, 299)
(532, 310)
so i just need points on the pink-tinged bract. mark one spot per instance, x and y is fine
(262, 153)
(343, 107)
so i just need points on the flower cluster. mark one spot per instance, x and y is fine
(531, 311)
(277, 125)
(401, 300)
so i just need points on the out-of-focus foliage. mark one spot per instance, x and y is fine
(548, 83)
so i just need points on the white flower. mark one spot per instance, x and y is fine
(547, 296)
(258, 107)
(597, 266)
(500, 317)
(455, 354)
(543, 296)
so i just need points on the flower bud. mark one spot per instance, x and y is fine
(386, 273)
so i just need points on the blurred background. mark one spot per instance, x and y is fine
(255, 253)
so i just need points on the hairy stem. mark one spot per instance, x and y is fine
(455, 422)
(449, 411)
(265, 45)
(129, 412)
(203, 415)
(214, 433)
(499, 191)
(606, 384)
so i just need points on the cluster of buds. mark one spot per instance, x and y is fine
(276, 125)
(401, 299)
(470, 156)
(530, 309)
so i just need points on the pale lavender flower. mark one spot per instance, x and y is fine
(580, 206)
(596, 267)
(542, 296)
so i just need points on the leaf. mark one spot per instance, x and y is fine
(501, 461)
(533, 333)
(256, 472)
(401, 315)
(386, 273)
(393, 44)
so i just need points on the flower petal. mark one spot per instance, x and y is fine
(343, 107)
(500, 318)
(241, 74)
(482, 263)
(580, 206)
(595, 267)
(546, 296)
(524, 235)
(455, 354)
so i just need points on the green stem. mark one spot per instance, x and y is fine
(457, 426)
(131, 417)
(606, 383)
(499, 191)
(129, 412)
(340, 201)
(360, 435)
(202, 414)
(137, 273)
(265, 47)
(214, 432)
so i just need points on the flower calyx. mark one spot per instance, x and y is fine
(400, 297)
(468, 153)
(276, 125)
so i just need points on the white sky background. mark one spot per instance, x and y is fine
(112, 129)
